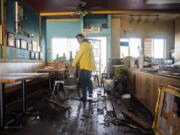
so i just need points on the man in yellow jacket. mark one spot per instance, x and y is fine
(86, 59)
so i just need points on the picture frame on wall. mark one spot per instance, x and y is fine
(19, 17)
(40, 55)
(34, 46)
(36, 55)
(18, 43)
(11, 39)
(32, 55)
(23, 44)
(29, 46)
(167, 113)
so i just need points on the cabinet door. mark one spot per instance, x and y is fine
(139, 86)
(132, 82)
(148, 91)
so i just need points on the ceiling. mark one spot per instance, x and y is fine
(162, 1)
(103, 5)
(147, 17)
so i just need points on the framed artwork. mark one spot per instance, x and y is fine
(34, 46)
(32, 55)
(167, 113)
(11, 39)
(40, 55)
(30, 46)
(18, 43)
(37, 55)
(18, 18)
(23, 44)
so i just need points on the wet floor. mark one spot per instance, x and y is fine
(99, 116)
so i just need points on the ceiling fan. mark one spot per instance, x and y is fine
(82, 8)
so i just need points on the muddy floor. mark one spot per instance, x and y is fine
(100, 115)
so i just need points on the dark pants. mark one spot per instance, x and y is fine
(85, 82)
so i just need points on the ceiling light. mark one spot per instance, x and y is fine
(83, 13)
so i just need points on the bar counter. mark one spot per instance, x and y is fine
(144, 85)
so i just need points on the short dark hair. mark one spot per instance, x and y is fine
(80, 35)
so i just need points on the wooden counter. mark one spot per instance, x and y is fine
(144, 86)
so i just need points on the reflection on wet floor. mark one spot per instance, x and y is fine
(99, 116)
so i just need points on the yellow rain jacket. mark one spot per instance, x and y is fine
(85, 57)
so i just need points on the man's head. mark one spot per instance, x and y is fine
(80, 38)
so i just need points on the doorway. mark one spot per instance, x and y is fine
(100, 53)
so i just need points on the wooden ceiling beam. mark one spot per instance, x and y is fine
(109, 12)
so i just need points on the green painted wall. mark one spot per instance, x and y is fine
(69, 29)
(98, 20)
(0, 35)
(60, 29)
(44, 46)
(30, 25)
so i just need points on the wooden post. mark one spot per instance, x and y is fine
(4, 30)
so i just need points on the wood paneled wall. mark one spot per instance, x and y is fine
(116, 38)
(144, 86)
(122, 28)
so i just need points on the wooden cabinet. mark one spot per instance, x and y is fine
(144, 86)
(132, 81)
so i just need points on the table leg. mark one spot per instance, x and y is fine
(2, 102)
(50, 84)
(24, 96)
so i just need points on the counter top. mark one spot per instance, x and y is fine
(157, 73)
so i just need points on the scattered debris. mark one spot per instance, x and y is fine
(34, 118)
(126, 96)
(100, 111)
(59, 104)
(85, 116)
(111, 116)
(135, 118)
(109, 106)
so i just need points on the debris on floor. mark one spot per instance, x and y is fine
(135, 118)
(58, 104)
(103, 115)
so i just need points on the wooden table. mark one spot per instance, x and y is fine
(50, 70)
(12, 78)
(26, 74)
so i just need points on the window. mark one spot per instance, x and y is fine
(130, 47)
(159, 48)
(134, 46)
(154, 48)
(148, 47)
(124, 51)
(124, 47)
(63, 46)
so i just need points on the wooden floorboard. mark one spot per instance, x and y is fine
(88, 118)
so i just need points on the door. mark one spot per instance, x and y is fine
(97, 53)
